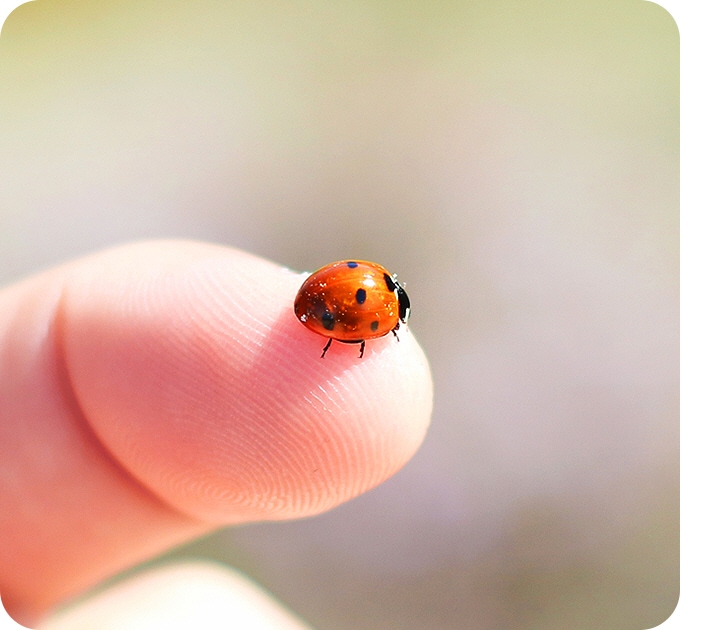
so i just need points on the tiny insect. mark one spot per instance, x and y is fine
(351, 301)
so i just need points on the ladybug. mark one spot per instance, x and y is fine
(351, 301)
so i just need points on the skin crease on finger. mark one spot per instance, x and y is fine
(154, 392)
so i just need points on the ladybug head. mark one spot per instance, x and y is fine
(404, 304)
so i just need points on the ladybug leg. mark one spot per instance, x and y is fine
(394, 332)
(362, 349)
(325, 349)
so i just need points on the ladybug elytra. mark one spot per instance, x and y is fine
(351, 301)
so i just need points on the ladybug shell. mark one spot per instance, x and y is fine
(352, 300)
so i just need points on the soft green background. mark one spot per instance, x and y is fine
(514, 162)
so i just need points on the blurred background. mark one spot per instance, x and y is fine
(514, 162)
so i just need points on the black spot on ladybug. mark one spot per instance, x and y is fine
(389, 282)
(374, 325)
(328, 320)
(360, 296)
(352, 264)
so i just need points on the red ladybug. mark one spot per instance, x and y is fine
(351, 301)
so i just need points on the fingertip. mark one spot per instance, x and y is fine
(359, 420)
(192, 369)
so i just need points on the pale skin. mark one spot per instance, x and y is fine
(155, 392)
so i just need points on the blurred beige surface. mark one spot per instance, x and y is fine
(516, 164)
(186, 596)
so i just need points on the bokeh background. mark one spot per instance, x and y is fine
(514, 162)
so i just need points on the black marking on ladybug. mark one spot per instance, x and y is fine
(360, 296)
(374, 325)
(352, 264)
(328, 320)
(404, 304)
(390, 282)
